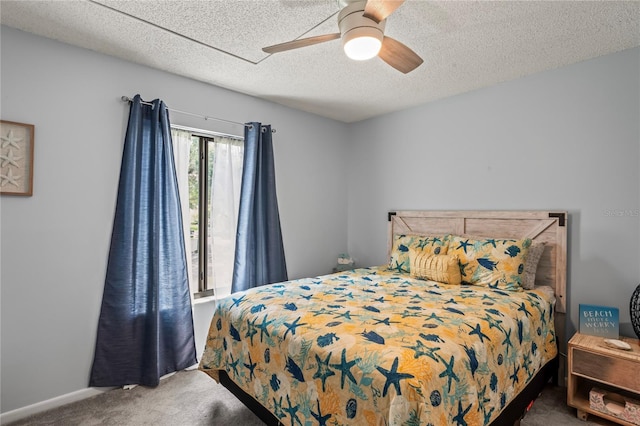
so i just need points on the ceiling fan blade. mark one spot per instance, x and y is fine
(303, 42)
(379, 10)
(398, 55)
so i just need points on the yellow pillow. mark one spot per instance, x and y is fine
(491, 262)
(442, 268)
(402, 243)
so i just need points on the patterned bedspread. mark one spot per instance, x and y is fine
(376, 347)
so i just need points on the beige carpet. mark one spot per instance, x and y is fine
(192, 398)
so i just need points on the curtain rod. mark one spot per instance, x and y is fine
(205, 117)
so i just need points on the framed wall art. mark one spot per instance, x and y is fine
(16, 158)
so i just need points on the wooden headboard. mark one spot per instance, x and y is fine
(549, 227)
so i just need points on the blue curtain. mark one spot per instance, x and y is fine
(259, 257)
(145, 329)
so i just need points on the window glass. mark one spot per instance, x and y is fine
(209, 171)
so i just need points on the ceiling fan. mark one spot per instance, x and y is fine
(361, 26)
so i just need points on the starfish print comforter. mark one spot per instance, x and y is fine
(376, 347)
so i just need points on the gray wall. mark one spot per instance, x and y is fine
(55, 243)
(566, 139)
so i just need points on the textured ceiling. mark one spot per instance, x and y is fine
(465, 45)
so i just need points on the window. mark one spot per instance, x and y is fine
(209, 171)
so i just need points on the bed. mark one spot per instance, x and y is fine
(389, 345)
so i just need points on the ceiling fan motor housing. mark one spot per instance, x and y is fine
(353, 24)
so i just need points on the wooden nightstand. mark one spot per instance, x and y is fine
(592, 364)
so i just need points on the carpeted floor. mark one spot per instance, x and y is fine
(551, 409)
(192, 398)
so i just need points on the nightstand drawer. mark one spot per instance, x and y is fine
(615, 371)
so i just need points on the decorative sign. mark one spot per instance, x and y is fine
(602, 321)
(16, 158)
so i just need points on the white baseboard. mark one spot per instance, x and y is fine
(21, 413)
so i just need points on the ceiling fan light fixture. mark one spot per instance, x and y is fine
(361, 24)
(362, 43)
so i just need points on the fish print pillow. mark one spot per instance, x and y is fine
(400, 260)
(491, 262)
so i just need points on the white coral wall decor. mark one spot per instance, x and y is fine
(16, 158)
